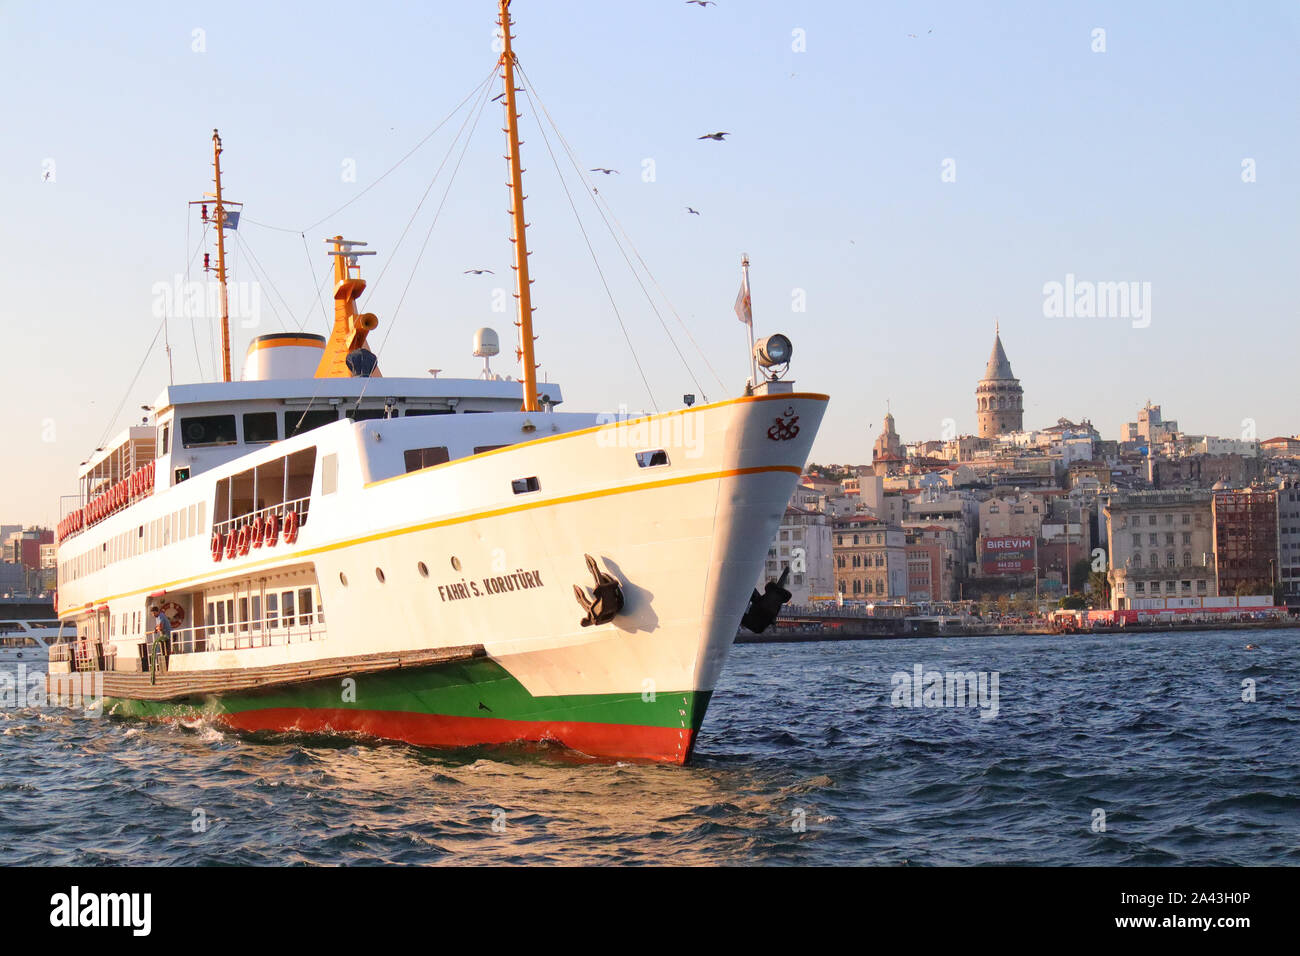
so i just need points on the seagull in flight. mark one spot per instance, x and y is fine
(693, 212)
(479, 272)
(602, 169)
(717, 136)
(702, 3)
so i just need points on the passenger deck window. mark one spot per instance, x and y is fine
(208, 430)
(417, 458)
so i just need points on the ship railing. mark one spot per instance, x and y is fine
(240, 635)
(300, 505)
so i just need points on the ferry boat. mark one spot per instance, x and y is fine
(28, 627)
(440, 561)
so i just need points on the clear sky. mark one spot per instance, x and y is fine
(908, 189)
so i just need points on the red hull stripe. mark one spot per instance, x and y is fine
(631, 741)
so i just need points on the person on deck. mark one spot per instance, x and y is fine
(162, 632)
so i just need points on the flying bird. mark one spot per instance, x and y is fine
(602, 169)
(693, 212)
(717, 136)
(479, 272)
(702, 3)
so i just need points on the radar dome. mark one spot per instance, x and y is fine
(486, 343)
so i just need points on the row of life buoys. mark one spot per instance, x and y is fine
(115, 498)
(261, 533)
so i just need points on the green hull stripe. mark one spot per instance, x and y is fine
(478, 688)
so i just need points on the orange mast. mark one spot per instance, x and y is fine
(523, 293)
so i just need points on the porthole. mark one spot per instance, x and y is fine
(343, 579)
(423, 568)
(455, 563)
(379, 573)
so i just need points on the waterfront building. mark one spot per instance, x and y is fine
(1245, 540)
(870, 559)
(1288, 535)
(999, 399)
(1160, 544)
(802, 544)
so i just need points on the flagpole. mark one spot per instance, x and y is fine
(753, 362)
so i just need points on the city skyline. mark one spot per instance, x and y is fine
(906, 237)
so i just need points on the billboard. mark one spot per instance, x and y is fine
(1008, 555)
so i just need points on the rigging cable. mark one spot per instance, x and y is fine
(530, 90)
(436, 214)
(600, 272)
(472, 114)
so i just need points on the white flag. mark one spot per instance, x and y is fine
(743, 310)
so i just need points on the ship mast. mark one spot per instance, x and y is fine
(523, 293)
(220, 219)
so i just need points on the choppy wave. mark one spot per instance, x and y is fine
(1136, 749)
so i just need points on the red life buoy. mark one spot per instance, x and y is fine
(290, 526)
(216, 547)
(255, 533)
(271, 536)
(175, 613)
(231, 543)
(244, 540)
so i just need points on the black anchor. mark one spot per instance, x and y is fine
(606, 597)
(764, 608)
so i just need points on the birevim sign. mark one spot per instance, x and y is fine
(1008, 555)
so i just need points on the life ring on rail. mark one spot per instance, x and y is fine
(175, 613)
(271, 533)
(244, 540)
(290, 526)
(231, 544)
(255, 533)
(216, 546)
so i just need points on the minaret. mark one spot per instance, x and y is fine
(999, 399)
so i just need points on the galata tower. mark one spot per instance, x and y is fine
(999, 399)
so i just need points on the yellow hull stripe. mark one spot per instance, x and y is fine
(813, 396)
(290, 558)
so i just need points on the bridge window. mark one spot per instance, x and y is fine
(260, 427)
(295, 423)
(201, 430)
